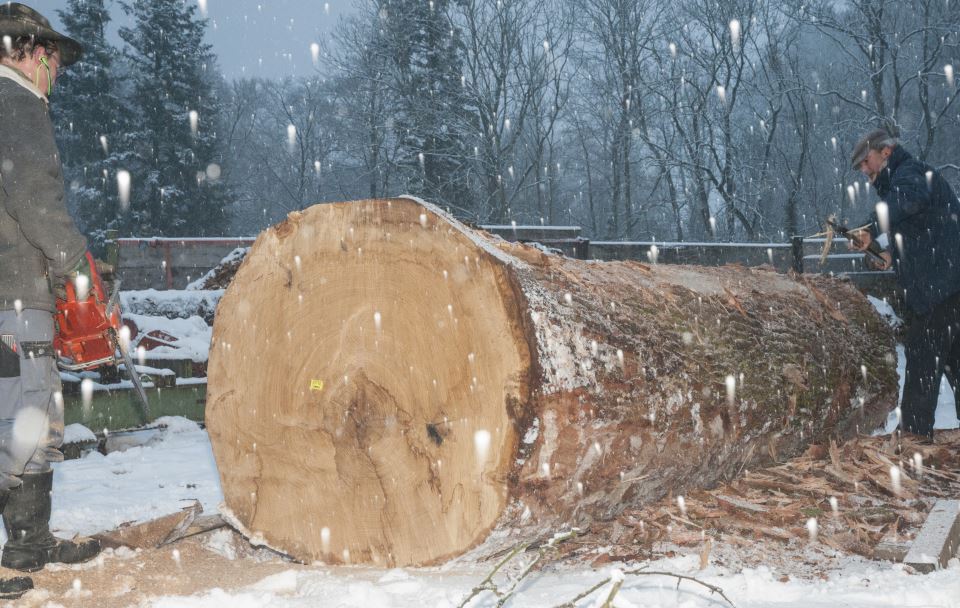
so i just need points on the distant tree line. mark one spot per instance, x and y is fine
(139, 129)
(636, 119)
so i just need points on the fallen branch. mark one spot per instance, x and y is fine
(641, 572)
(613, 593)
(487, 584)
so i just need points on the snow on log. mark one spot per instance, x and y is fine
(388, 386)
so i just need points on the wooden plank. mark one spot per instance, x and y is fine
(938, 539)
(201, 524)
(153, 533)
(891, 551)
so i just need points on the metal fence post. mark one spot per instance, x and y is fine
(796, 247)
(581, 249)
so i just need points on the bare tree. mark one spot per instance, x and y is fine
(515, 84)
(622, 35)
(693, 118)
(900, 49)
(362, 98)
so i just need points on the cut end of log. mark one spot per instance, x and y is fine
(363, 367)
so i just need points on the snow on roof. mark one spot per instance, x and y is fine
(173, 303)
(77, 433)
(193, 336)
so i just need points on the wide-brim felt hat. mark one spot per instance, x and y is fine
(20, 20)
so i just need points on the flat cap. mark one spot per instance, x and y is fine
(874, 140)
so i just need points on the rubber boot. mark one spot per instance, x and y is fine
(26, 517)
(12, 588)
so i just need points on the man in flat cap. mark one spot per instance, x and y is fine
(40, 248)
(920, 214)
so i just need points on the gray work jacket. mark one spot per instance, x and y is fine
(39, 242)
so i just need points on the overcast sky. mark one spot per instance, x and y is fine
(250, 37)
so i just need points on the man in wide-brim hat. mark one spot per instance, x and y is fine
(40, 249)
(18, 20)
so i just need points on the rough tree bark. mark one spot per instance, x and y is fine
(388, 386)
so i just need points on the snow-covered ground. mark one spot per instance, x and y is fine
(860, 584)
(176, 464)
(98, 492)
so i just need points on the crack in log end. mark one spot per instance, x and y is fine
(434, 434)
(364, 407)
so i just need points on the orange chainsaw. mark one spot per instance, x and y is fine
(88, 327)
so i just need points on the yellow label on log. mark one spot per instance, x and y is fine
(316, 385)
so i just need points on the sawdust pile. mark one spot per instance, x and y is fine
(857, 498)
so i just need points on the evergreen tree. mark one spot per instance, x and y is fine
(425, 54)
(175, 157)
(90, 120)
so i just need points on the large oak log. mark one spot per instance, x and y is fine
(389, 386)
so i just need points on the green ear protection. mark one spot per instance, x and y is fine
(46, 66)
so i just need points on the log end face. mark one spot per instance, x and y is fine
(366, 353)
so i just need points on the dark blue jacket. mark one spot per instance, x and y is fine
(925, 217)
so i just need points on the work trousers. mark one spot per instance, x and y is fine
(31, 402)
(933, 349)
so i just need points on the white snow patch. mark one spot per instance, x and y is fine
(173, 303)
(98, 492)
(886, 311)
(175, 424)
(283, 582)
(533, 432)
(221, 542)
(77, 433)
(193, 337)
(859, 584)
(237, 254)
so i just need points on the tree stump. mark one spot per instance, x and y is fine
(389, 386)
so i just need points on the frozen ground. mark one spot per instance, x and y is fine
(99, 492)
(857, 585)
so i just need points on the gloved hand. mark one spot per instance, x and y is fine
(875, 264)
(82, 268)
(105, 270)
